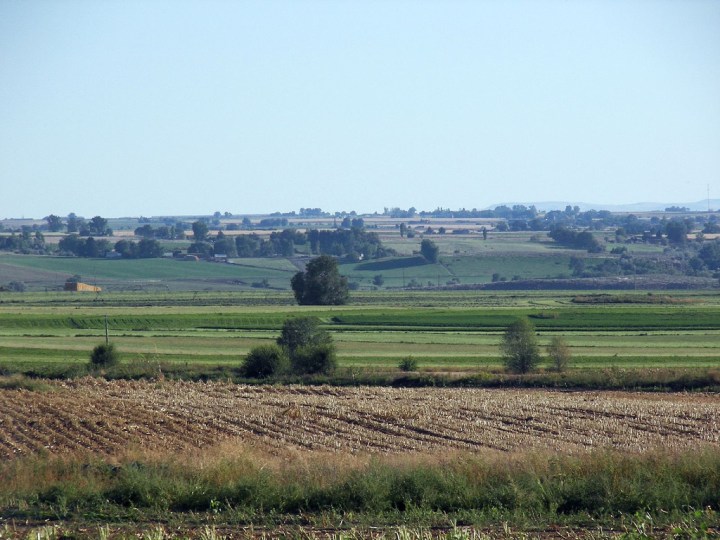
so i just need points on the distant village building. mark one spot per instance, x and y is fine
(80, 287)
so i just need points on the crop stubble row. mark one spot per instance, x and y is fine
(110, 416)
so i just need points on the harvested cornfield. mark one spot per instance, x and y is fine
(109, 417)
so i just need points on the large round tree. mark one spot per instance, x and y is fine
(320, 284)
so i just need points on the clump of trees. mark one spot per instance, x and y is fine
(144, 249)
(279, 243)
(164, 232)
(303, 348)
(576, 240)
(521, 353)
(74, 244)
(28, 241)
(708, 256)
(429, 251)
(320, 284)
(354, 243)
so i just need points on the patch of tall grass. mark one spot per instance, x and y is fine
(612, 378)
(244, 481)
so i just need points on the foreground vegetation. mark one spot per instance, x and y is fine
(658, 341)
(232, 486)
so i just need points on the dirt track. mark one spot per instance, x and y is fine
(109, 417)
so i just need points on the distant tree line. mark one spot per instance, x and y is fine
(74, 244)
(513, 218)
(164, 232)
(27, 241)
(354, 243)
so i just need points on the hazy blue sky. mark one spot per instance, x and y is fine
(187, 107)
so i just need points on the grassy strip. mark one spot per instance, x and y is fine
(698, 524)
(642, 379)
(603, 317)
(244, 486)
(631, 299)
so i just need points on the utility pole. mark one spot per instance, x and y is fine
(107, 339)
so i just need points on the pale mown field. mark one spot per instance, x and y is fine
(112, 417)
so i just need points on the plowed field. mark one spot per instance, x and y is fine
(108, 417)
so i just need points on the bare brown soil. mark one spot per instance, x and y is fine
(111, 417)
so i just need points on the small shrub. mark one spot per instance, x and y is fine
(264, 361)
(104, 356)
(559, 353)
(317, 359)
(408, 364)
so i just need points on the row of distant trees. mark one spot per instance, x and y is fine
(350, 243)
(517, 217)
(354, 243)
(74, 244)
(97, 226)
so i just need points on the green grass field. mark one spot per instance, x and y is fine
(377, 333)
(43, 272)
(51, 272)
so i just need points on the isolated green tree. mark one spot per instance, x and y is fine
(519, 347)
(429, 251)
(99, 226)
(264, 361)
(320, 284)
(559, 353)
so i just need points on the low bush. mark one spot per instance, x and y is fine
(408, 364)
(264, 361)
(317, 359)
(104, 355)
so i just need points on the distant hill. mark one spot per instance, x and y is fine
(699, 206)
